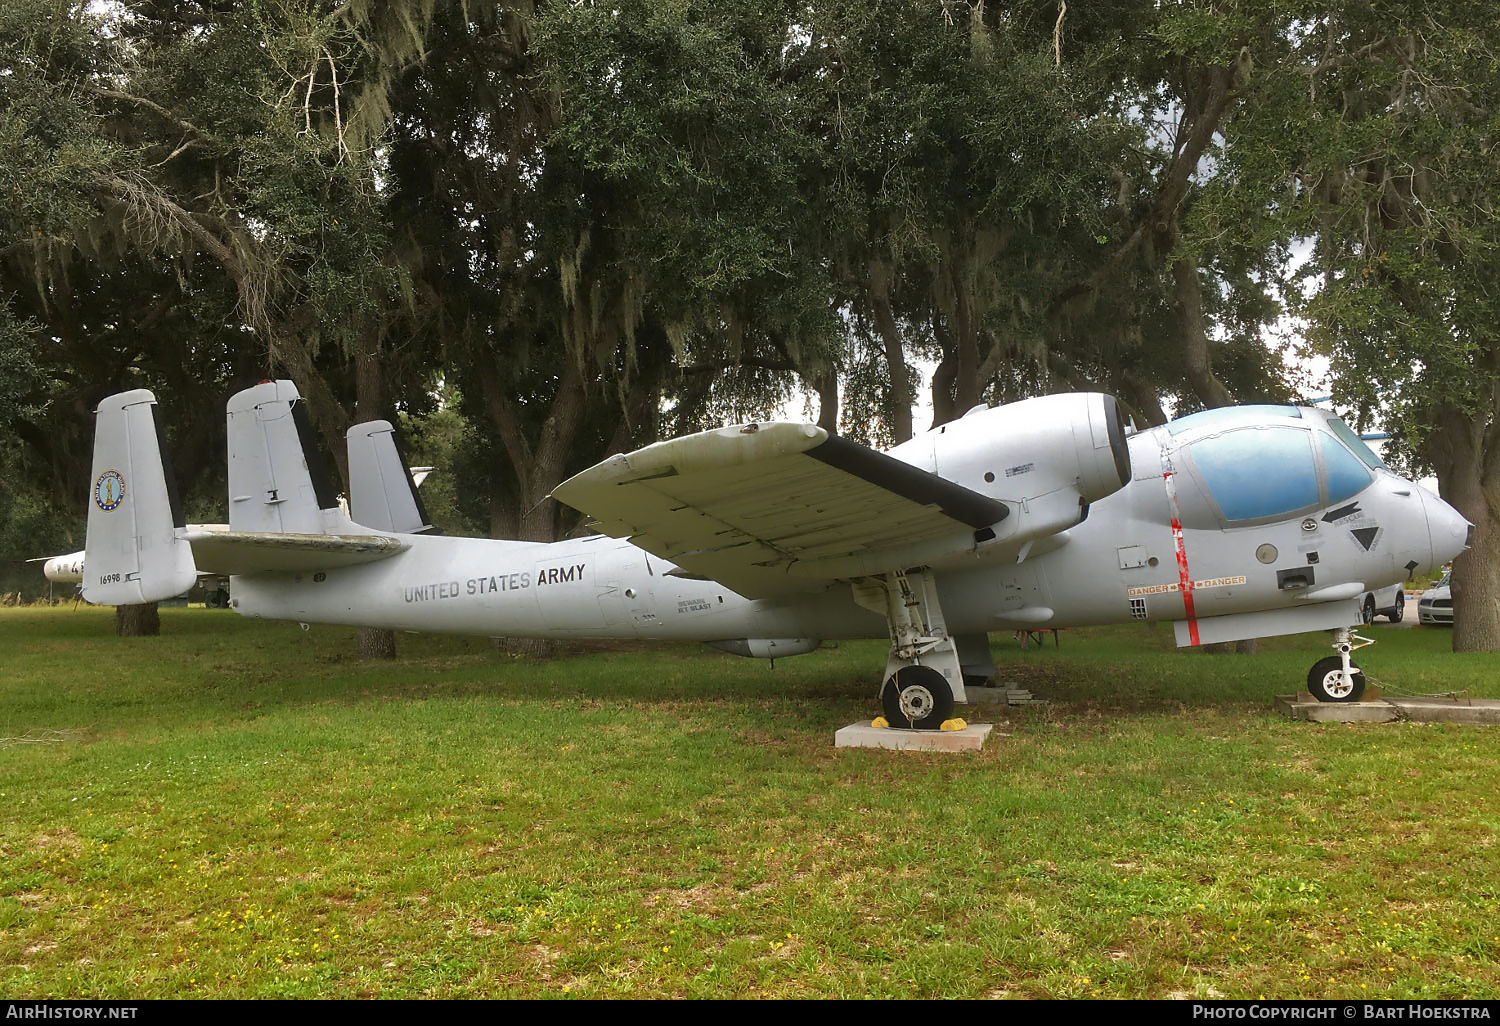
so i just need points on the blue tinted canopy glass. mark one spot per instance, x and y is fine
(1355, 443)
(1346, 474)
(1230, 416)
(1258, 473)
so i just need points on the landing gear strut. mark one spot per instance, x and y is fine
(924, 674)
(1335, 678)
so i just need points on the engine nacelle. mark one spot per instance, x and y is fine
(1047, 458)
(1026, 449)
(767, 648)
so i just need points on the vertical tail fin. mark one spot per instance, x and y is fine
(278, 483)
(382, 494)
(135, 551)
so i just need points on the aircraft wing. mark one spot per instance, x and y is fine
(773, 509)
(244, 552)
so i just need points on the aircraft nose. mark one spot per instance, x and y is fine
(1450, 533)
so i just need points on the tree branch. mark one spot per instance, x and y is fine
(137, 194)
(141, 101)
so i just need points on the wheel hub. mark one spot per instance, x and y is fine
(916, 702)
(1336, 684)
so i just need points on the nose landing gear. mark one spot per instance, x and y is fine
(1335, 678)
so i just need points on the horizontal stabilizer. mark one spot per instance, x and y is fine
(247, 552)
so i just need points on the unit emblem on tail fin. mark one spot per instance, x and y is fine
(109, 490)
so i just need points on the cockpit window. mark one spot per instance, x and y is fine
(1346, 475)
(1355, 444)
(1255, 473)
(1228, 416)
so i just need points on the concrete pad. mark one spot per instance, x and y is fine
(1384, 710)
(862, 735)
(1001, 696)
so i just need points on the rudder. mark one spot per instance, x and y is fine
(382, 494)
(277, 481)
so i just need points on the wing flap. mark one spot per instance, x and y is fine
(246, 552)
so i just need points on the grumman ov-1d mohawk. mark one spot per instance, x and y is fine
(762, 539)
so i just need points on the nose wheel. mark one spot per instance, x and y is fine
(1328, 683)
(1336, 678)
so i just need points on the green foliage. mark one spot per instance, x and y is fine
(598, 224)
(19, 373)
(1376, 140)
(439, 440)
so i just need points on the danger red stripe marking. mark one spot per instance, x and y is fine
(1184, 577)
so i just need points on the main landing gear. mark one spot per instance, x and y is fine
(1336, 678)
(924, 675)
(918, 697)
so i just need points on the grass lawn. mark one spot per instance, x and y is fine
(243, 809)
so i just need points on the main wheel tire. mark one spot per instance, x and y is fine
(918, 697)
(1395, 615)
(1325, 681)
(1368, 612)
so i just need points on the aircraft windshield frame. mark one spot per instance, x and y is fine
(1344, 433)
(1225, 417)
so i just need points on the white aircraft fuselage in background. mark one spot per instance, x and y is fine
(64, 569)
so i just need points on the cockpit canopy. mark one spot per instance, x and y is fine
(1267, 463)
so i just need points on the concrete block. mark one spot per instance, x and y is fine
(862, 735)
(1001, 696)
(1315, 711)
(1384, 710)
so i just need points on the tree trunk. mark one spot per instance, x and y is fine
(1476, 584)
(1142, 397)
(1465, 451)
(137, 621)
(968, 389)
(532, 648)
(895, 354)
(538, 468)
(376, 643)
(369, 403)
(944, 375)
(827, 384)
(1197, 364)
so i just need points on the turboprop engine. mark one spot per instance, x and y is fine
(1030, 448)
(1047, 458)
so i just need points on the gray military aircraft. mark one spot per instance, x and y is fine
(764, 539)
